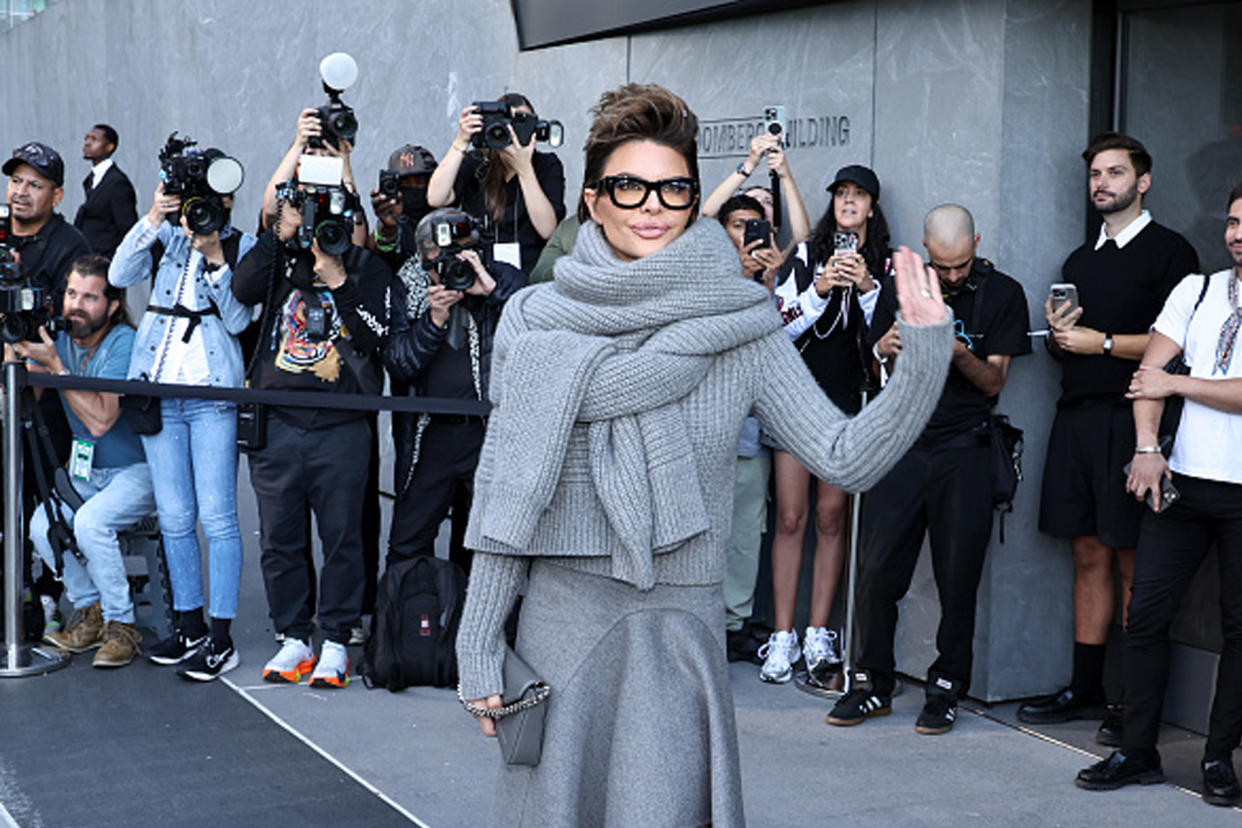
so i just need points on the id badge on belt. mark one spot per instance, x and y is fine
(81, 458)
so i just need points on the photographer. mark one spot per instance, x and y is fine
(188, 336)
(45, 242)
(324, 319)
(443, 350)
(521, 189)
(108, 469)
(397, 214)
(764, 146)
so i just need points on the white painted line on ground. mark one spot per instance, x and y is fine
(1043, 737)
(6, 818)
(245, 694)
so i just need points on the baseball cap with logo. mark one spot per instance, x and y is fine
(40, 156)
(412, 159)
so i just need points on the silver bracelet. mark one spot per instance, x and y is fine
(540, 694)
(1147, 450)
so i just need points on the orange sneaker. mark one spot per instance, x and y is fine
(294, 660)
(333, 667)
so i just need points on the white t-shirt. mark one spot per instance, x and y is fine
(1209, 441)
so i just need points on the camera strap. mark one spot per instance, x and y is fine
(195, 316)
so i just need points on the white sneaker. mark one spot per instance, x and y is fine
(821, 651)
(333, 667)
(779, 655)
(295, 659)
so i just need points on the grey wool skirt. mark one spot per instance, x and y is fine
(640, 727)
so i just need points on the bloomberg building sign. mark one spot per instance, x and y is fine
(731, 137)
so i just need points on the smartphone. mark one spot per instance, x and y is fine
(844, 242)
(774, 121)
(1168, 493)
(757, 230)
(1063, 293)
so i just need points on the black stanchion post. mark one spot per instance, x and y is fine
(19, 659)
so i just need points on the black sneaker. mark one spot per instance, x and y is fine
(939, 713)
(1220, 783)
(175, 649)
(860, 703)
(209, 661)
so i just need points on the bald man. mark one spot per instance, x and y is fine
(942, 488)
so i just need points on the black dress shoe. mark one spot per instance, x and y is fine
(1220, 783)
(1121, 769)
(742, 646)
(1062, 707)
(1109, 733)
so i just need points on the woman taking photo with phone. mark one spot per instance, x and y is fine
(521, 189)
(605, 481)
(826, 293)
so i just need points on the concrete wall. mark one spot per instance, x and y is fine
(974, 101)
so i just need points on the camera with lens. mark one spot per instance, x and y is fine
(390, 184)
(498, 117)
(201, 178)
(24, 306)
(329, 213)
(451, 231)
(337, 120)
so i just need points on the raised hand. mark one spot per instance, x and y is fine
(918, 290)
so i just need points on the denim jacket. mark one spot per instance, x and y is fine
(132, 264)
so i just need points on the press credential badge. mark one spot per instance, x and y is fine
(81, 458)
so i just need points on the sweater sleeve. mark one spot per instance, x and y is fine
(494, 584)
(853, 452)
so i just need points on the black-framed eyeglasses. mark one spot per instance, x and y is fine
(629, 191)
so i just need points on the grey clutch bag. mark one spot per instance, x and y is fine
(519, 721)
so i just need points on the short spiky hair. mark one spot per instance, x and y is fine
(1139, 157)
(736, 203)
(638, 112)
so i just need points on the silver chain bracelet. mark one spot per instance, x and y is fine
(539, 695)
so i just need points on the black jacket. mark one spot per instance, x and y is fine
(108, 212)
(268, 276)
(47, 255)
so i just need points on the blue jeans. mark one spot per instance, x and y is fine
(193, 462)
(116, 499)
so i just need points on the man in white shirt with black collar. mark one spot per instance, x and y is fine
(1197, 500)
(110, 208)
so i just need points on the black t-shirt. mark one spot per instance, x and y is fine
(1000, 330)
(515, 225)
(1121, 291)
(47, 255)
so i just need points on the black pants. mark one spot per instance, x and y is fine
(1171, 548)
(324, 471)
(945, 492)
(443, 477)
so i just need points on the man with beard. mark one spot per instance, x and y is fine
(1123, 278)
(110, 208)
(107, 468)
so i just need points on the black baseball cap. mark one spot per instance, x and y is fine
(411, 159)
(860, 175)
(40, 156)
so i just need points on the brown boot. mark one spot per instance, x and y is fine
(120, 643)
(83, 632)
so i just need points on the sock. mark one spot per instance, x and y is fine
(1088, 678)
(220, 630)
(191, 623)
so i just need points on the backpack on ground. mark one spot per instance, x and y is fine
(414, 637)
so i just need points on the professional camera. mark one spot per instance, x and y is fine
(24, 306)
(498, 117)
(451, 231)
(200, 177)
(338, 71)
(329, 210)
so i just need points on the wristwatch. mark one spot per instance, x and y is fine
(1108, 345)
(742, 171)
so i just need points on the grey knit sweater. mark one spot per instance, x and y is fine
(764, 375)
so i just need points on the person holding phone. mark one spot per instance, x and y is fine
(1122, 278)
(769, 147)
(826, 292)
(1201, 322)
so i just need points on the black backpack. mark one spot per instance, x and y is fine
(414, 638)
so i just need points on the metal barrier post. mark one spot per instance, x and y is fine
(18, 659)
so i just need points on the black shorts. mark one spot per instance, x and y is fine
(1084, 489)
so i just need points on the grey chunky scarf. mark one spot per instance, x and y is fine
(615, 345)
